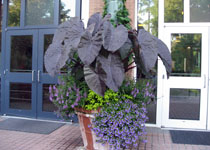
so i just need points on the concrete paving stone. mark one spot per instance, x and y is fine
(68, 137)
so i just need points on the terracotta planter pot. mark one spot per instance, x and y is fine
(88, 136)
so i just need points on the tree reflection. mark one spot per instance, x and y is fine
(174, 10)
(39, 12)
(14, 13)
(148, 15)
(186, 54)
(200, 11)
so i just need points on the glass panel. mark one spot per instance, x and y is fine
(21, 53)
(47, 105)
(174, 10)
(148, 15)
(67, 9)
(199, 10)
(47, 41)
(186, 54)
(184, 104)
(20, 96)
(14, 13)
(151, 112)
(39, 12)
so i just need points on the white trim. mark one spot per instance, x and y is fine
(186, 82)
(135, 15)
(186, 11)
(208, 105)
(161, 69)
(85, 11)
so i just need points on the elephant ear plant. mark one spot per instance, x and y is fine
(103, 52)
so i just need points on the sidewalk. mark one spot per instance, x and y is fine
(68, 137)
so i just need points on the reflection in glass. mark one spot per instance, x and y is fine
(20, 96)
(148, 15)
(151, 112)
(47, 41)
(199, 10)
(39, 12)
(21, 53)
(186, 54)
(67, 9)
(47, 105)
(173, 10)
(14, 7)
(184, 104)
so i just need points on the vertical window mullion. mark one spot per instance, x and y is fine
(186, 11)
(22, 13)
(56, 12)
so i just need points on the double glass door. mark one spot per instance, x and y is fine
(185, 103)
(26, 81)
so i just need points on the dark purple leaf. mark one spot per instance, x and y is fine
(165, 55)
(149, 49)
(114, 38)
(125, 49)
(114, 69)
(93, 81)
(55, 58)
(95, 19)
(89, 47)
(69, 32)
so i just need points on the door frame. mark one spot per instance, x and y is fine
(43, 78)
(201, 82)
(17, 77)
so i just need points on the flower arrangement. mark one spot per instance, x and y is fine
(122, 123)
(97, 59)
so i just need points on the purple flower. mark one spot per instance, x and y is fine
(65, 107)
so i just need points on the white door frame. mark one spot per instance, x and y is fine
(162, 81)
(188, 82)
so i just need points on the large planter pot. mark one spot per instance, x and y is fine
(88, 136)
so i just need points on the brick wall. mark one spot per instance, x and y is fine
(97, 6)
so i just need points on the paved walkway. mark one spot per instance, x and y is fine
(68, 137)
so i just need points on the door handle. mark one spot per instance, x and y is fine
(204, 81)
(32, 75)
(38, 77)
(5, 71)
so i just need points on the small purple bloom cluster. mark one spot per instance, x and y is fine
(121, 125)
(66, 98)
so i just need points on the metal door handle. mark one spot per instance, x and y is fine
(5, 71)
(38, 75)
(204, 81)
(32, 76)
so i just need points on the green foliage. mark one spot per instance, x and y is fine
(95, 101)
(121, 15)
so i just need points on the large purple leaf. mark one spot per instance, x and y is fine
(70, 33)
(114, 69)
(98, 21)
(95, 19)
(114, 38)
(125, 49)
(165, 55)
(89, 47)
(93, 81)
(55, 58)
(149, 49)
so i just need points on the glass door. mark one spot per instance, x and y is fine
(20, 72)
(185, 103)
(45, 107)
